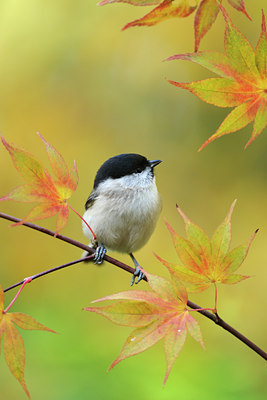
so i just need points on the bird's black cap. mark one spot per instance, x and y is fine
(122, 165)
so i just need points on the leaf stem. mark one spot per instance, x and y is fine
(79, 215)
(213, 317)
(25, 281)
(216, 296)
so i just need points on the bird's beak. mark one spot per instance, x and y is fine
(153, 163)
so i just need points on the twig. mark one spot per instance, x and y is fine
(220, 322)
(214, 317)
(49, 272)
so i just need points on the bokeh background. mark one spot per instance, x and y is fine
(93, 91)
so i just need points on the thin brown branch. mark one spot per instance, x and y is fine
(214, 317)
(68, 240)
(49, 271)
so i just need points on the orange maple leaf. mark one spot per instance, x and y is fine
(242, 83)
(203, 261)
(13, 343)
(159, 314)
(51, 194)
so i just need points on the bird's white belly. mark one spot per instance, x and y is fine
(124, 223)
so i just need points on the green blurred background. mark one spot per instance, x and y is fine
(93, 91)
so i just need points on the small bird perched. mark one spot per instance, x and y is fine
(123, 207)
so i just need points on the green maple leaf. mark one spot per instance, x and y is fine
(203, 261)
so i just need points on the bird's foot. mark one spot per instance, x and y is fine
(100, 254)
(137, 274)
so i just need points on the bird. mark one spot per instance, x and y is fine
(123, 207)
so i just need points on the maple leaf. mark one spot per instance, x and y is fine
(242, 83)
(158, 314)
(166, 10)
(13, 343)
(51, 194)
(239, 5)
(205, 16)
(203, 261)
(206, 13)
(132, 2)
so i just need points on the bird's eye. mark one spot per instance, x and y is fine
(138, 170)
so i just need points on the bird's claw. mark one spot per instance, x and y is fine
(137, 274)
(100, 254)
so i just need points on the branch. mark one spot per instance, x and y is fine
(69, 264)
(214, 317)
(68, 240)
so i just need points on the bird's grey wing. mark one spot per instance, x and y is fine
(91, 199)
